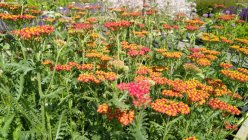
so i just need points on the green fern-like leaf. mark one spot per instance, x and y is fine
(139, 127)
(5, 129)
(61, 127)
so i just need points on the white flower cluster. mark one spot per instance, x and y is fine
(167, 6)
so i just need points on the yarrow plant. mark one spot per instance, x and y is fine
(86, 70)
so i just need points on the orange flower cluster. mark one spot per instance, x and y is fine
(86, 67)
(117, 25)
(172, 55)
(171, 93)
(152, 73)
(243, 50)
(194, 22)
(226, 17)
(195, 91)
(33, 12)
(47, 62)
(225, 65)
(159, 68)
(103, 109)
(80, 27)
(170, 108)
(124, 117)
(220, 89)
(218, 104)
(98, 77)
(143, 70)
(243, 70)
(192, 28)
(203, 62)
(134, 50)
(142, 33)
(50, 20)
(131, 14)
(16, 17)
(209, 37)
(33, 32)
(70, 65)
(225, 40)
(229, 126)
(99, 56)
(191, 138)
(91, 20)
(235, 75)
(203, 56)
(242, 40)
(59, 67)
(170, 27)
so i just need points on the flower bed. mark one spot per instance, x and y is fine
(96, 72)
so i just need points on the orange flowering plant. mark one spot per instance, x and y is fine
(91, 71)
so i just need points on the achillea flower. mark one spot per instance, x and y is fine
(80, 27)
(138, 52)
(229, 126)
(171, 93)
(167, 27)
(210, 52)
(143, 70)
(235, 75)
(192, 28)
(209, 37)
(86, 67)
(243, 70)
(117, 25)
(195, 95)
(225, 65)
(91, 20)
(138, 91)
(159, 68)
(33, 32)
(226, 17)
(196, 55)
(51, 20)
(170, 108)
(242, 40)
(225, 40)
(173, 55)
(103, 109)
(126, 117)
(86, 78)
(194, 22)
(215, 103)
(211, 57)
(65, 67)
(203, 62)
(16, 17)
(160, 51)
(47, 62)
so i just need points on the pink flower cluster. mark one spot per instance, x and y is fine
(138, 52)
(138, 91)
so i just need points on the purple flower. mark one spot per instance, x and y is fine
(205, 15)
(244, 14)
(231, 10)
(63, 10)
(228, 12)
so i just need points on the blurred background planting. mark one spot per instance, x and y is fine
(204, 6)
